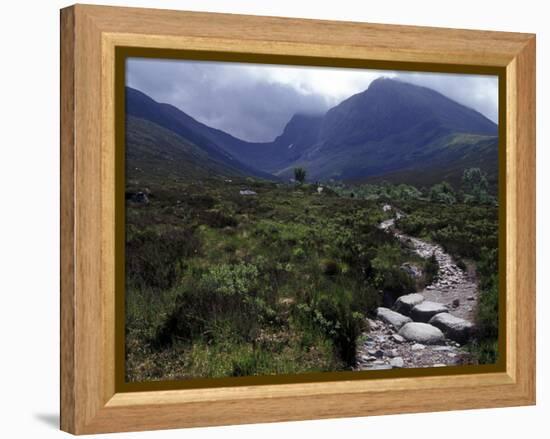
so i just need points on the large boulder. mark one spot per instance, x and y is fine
(424, 311)
(393, 318)
(405, 304)
(453, 327)
(422, 333)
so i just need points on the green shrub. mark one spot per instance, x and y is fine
(222, 303)
(443, 193)
(431, 269)
(394, 280)
(487, 317)
(486, 351)
(487, 313)
(386, 272)
(250, 364)
(333, 315)
(463, 230)
(154, 259)
(230, 279)
(476, 187)
(298, 253)
(218, 219)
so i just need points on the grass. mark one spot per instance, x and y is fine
(220, 284)
(274, 283)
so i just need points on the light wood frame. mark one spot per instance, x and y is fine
(89, 37)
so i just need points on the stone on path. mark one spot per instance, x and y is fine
(422, 333)
(393, 318)
(397, 362)
(372, 324)
(424, 311)
(406, 303)
(397, 338)
(455, 328)
(379, 367)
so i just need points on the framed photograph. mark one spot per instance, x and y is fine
(268, 219)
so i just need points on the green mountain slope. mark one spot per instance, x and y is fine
(154, 150)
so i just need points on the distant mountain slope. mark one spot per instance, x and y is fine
(395, 126)
(141, 106)
(389, 107)
(392, 130)
(154, 150)
(298, 135)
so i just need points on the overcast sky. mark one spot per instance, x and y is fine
(255, 101)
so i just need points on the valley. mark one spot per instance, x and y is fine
(363, 238)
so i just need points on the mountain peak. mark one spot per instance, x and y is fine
(390, 106)
(301, 128)
(383, 80)
(386, 84)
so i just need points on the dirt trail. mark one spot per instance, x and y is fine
(384, 348)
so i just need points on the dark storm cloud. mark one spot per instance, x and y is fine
(229, 97)
(254, 102)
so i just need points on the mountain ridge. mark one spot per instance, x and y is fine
(169, 117)
(391, 126)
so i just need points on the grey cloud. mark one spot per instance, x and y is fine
(226, 97)
(255, 102)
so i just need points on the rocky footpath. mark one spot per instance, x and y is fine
(454, 287)
(423, 329)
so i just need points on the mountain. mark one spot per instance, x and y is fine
(392, 131)
(298, 135)
(394, 128)
(389, 107)
(156, 151)
(189, 131)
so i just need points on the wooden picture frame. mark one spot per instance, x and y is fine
(91, 401)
